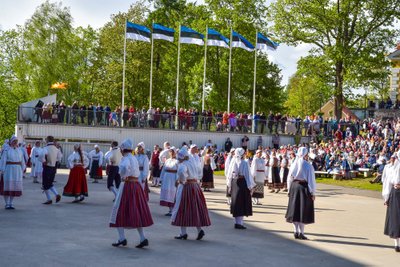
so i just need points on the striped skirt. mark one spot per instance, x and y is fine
(132, 208)
(192, 211)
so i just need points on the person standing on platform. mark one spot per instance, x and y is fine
(77, 185)
(258, 174)
(130, 208)
(302, 187)
(113, 158)
(96, 163)
(208, 167)
(37, 158)
(51, 155)
(155, 166)
(226, 169)
(240, 184)
(168, 178)
(143, 161)
(190, 208)
(12, 166)
(391, 196)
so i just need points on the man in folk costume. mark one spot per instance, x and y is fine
(37, 158)
(284, 170)
(257, 171)
(169, 176)
(391, 196)
(302, 187)
(130, 208)
(77, 185)
(51, 155)
(113, 158)
(143, 161)
(226, 169)
(190, 208)
(96, 163)
(241, 187)
(12, 166)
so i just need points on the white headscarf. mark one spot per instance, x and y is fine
(127, 144)
(296, 168)
(142, 145)
(183, 153)
(239, 152)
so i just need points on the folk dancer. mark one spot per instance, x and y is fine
(241, 187)
(112, 159)
(190, 208)
(155, 166)
(12, 166)
(208, 166)
(130, 209)
(195, 159)
(257, 171)
(77, 185)
(391, 196)
(37, 158)
(51, 155)
(226, 169)
(22, 147)
(284, 171)
(302, 187)
(96, 163)
(169, 178)
(143, 161)
(164, 154)
(275, 184)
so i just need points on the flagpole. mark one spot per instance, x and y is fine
(123, 76)
(151, 67)
(229, 75)
(177, 76)
(205, 65)
(254, 82)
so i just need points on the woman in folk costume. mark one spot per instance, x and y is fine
(190, 208)
(284, 170)
(96, 164)
(130, 210)
(12, 166)
(226, 169)
(208, 166)
(276, 184)
(77, 185)
(391, 196)
(268, 178)
(240, 186)
(143, 161)
(302, 186)
(169, 176)
(257, 171)
(37, 159)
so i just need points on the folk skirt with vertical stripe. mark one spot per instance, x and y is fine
(301, 206)
(259, 190)
(132, 208)
(96, 171)
(208, 177)
(77, 184)
(192, 210)
(392, 222)
(241, 199)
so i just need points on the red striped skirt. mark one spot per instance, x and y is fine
(76, 185)
(193, 208)
(167, 204)
(133, 211)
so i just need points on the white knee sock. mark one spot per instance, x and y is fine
(6, 200)
(198, 229)
(396, 242)
(112, 189)
(170, 209)
(183, 230)
(239, 220)
(10, 201)
(121, 233)
(54, 190)
(47, 194)
(296, 227)
(301, 226)
(141, 234)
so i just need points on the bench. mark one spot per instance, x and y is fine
(367, 172)
(321, 173)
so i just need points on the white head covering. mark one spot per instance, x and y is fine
(96, 146)
(183, 153)
(192, 146)
(12, 139)
(141, 144)
(232, 149)
(296, 168)
(127, 144)
(165, 144)
(173, 148)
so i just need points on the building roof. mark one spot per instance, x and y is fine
(330, 106)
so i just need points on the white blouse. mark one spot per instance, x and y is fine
(389, 179)
(75, 159)
(129, 166)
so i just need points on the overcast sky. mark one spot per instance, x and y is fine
(97, 12)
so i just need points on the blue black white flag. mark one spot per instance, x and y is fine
(240, 41)
(189, 36)
(137, 32)
(264, 43)
(161, 32)
(214, 38)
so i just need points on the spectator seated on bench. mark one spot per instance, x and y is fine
(378, 175)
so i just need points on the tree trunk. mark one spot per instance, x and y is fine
(339, 89)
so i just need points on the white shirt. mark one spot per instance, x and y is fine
(129, 166)
(239, 167)
(75, 159)
(93, 155)
(391, 178)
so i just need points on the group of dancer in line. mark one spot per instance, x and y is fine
(181, 172)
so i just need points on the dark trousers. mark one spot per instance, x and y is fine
(49, 174)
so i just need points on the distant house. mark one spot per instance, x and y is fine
(328, 110)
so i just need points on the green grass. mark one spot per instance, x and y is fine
(360, 183)
(219, 173)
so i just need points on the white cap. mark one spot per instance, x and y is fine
(141, 144)
(183, 153)
(127, 144)
(96, 146)
(192, 146)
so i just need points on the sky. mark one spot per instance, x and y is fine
(97, 12)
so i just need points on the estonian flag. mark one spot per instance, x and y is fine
(214, 38)
(264, 43)
(189, 36)
(137, 32)
(161, 32)
(240, 41)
